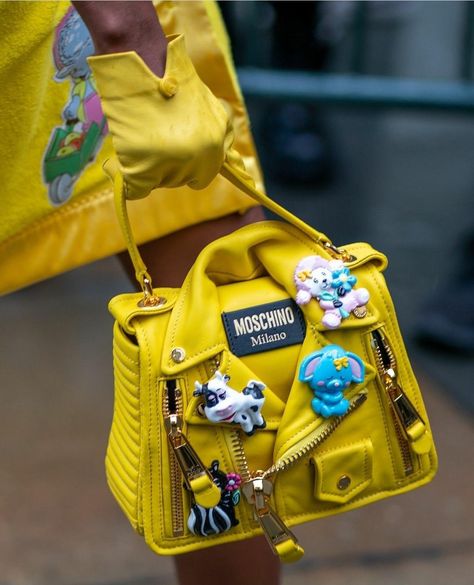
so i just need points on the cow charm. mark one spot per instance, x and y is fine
(221, 518)
(329, 372)
(224, 404)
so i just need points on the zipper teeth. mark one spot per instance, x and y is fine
(213, 365)
(177, 511)
(239, 456)
(391, 356)
(293, 458)
(403, 445)
(378, 352)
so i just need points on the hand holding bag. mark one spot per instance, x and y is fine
(168, 131)
(240, 411)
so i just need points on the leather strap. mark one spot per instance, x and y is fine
(232, 176)
(141, 272)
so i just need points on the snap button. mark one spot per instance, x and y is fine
(343, 482)
(360, 312)
(178, 354)
(168, 87)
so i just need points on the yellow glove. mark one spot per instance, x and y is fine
(168, 131)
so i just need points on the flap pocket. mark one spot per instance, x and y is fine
(344, 472)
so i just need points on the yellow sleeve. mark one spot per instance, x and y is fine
(57, 208)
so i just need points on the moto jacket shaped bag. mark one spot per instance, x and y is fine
(271, 389)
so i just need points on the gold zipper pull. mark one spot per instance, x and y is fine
(410, 421)
(196, 475)
(408, 417)
(283, 542)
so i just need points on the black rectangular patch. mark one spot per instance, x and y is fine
(264, 327)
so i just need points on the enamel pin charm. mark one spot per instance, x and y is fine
(332, 285)
(329, 372)
(224, 404)
(221, 518)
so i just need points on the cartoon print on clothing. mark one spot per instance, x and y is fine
(332, 285)
(76, 142)
(224, 404)
(329, 372)
(206, 521)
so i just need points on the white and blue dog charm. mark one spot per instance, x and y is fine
(224, 404)
(329, 372)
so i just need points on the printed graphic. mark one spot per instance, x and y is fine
(76, 142)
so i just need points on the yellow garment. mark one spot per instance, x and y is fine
(40, 238)
(167, 132)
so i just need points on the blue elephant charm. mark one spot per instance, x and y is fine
(329, 371)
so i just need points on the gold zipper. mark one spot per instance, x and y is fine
(283, 542)
(240, 459)
(184, 459)
(410, 428)
(257, 487)
(315, 439)
(177, 512)
(212, 365)
(257, 491)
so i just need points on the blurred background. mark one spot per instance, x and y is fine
(363, 114)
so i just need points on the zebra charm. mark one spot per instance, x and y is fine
(221, 518)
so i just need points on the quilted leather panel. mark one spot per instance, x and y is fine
(123, 452)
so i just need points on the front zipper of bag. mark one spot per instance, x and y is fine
(257, 487)
(185, 464)
(314, 440)
(408, 424)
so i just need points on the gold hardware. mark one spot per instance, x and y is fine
(338, 253)
(212, 365)
(188, 460)
(360, 312)
(326, 429)
(257, 492)
(408, 417)
(196, 475)
(343, 482)
(149, 299)
(239, 456)
(178, 355)
(257, 488)
(177, 512)
(410, 428)
(407, 414)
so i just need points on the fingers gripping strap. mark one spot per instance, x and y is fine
(141, 272)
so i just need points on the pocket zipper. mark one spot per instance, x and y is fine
(257, 487)
(410, 428)
(184, 461)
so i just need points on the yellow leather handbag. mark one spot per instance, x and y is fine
(271, 389)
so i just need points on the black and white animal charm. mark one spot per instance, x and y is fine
(224, 404)
(221, 518)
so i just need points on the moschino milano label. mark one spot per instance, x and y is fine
(264, 327)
